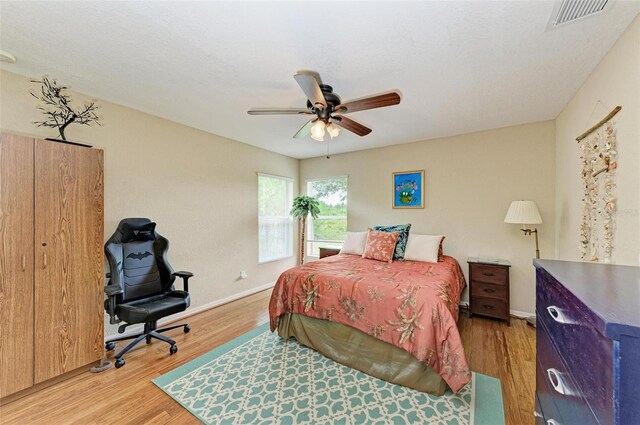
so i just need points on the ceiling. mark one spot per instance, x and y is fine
(459, 66)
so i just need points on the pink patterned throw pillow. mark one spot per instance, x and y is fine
(380, 245)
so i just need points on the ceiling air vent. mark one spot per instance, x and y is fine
(566, 11)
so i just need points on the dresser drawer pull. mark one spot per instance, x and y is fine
(487, 306)
(487, 274)
(489, 290)
(556, 314)
(553, 422)
(556, 381)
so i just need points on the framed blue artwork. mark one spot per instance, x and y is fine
(408, 189)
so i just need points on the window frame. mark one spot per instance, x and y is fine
(308, 241)
(290, 187)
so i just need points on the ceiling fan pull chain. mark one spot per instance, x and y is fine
(328, 156)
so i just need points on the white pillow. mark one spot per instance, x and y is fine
(354, 243)
(423, 247)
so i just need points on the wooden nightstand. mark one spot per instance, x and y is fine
(328, 252)
(489, 288)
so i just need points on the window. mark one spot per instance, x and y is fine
(275, 226)
(330, 228)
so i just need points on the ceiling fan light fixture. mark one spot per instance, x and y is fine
(333, 130)
(317, 131)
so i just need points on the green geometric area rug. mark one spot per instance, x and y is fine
(259, 378)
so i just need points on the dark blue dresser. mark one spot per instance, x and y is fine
(587, 343)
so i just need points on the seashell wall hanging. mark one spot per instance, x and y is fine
(599, 154)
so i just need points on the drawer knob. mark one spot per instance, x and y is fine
(555, 377)
(556, 314)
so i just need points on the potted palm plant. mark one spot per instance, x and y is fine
(304, 205)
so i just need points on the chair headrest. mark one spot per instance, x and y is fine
(137, 229)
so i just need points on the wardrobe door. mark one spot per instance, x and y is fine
(69, 330)
(16, 263)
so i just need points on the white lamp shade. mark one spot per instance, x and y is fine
(333, 130)
(523, 212)
(317, 131)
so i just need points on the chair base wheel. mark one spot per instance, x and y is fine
(173, 349)
(187, 328)
(110, 346)
(119, 363)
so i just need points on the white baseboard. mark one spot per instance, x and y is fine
(136, 329)
(516, 313)
(521, 314)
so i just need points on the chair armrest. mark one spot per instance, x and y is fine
(112, 291)
(185, 279)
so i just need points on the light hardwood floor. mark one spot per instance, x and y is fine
(127, 395)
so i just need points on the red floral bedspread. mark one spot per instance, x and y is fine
(412, 305)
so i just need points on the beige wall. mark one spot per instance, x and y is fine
(615, 81)
(470, 181)
(201, 189)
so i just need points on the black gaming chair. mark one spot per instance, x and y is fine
(140, 287)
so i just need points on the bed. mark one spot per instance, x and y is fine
(395, 321)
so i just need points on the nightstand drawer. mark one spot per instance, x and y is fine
(489, 290)
(489, 273)
(489, 307)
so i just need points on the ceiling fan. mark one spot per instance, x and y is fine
(329, 109)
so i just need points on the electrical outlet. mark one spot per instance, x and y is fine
(243, 274)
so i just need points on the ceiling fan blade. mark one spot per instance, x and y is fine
(314, 74)
(311, 89)
(371, 102)
(351, 125)
(305, 130)
(278, 111)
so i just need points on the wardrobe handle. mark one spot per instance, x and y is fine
(44, 260)
(24, 262)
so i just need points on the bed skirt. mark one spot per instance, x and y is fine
(355, 349)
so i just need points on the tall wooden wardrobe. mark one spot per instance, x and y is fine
(51, 260)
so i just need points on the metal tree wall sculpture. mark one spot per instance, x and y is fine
(56, 107)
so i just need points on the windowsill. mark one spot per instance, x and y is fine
(273, 260)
